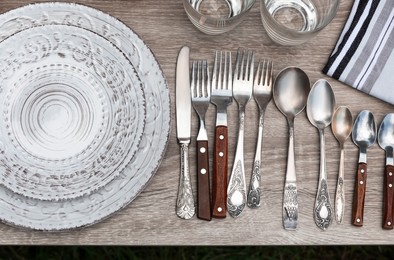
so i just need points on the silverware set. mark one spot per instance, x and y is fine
(291, 92)
(225, 85)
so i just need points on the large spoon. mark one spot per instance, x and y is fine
(342, 123)
(386, 142)
(290, 93)
(363, 135)
(320, 108)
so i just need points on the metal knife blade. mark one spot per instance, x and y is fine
(183, 100)
(185, 207)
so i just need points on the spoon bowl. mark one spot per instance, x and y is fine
(321, 104)
(364, 130)
(320, 108)
(291, 91)
(290, 94)
(342, 123)
(341, 126)
(386, 132)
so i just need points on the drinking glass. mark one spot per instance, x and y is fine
(217, 16)
(292, 22)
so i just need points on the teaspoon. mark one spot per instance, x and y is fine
(342, 123)
(386, 142)
(363, 135)
(320, 108)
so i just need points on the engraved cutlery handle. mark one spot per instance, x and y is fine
(254, 193)
(340, 193)
(323, 210)
(359, 195)
(388, 196)
(203, 187)
(185, 203)
(236, 191)
(219, 178)
(290, 202)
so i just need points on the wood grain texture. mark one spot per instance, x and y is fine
(203, 182)
(220, 173)
(360, 188)
(151, 218)
(388, 196)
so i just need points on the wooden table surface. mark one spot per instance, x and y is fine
(151, 220)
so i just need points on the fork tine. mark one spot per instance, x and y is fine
(257, 77)
(224, 69)
(236, 72)
(245, 77)
(220, 83)
(230, 76)
(208, 82)
(192, 85)
(215, 68)
(198, 78)
(241, 74)
(269, 72)
(202, 79)
(251, 69)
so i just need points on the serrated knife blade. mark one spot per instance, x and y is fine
(185, 207)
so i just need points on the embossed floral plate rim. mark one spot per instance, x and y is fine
(43, 45)
(87, 210)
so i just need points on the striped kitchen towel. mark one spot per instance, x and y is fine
(363, 56)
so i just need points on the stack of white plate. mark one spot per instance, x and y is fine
(84, 112)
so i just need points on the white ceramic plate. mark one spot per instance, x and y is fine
(34, 213)
(73, 112)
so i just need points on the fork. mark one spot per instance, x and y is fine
(222, 96)
(242, 92)
(201, 96)
(262, 93)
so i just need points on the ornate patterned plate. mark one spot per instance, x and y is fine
(89, 209)
(73, 112)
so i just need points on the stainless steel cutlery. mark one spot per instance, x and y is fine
(185, 207)
(363, 135)
(291, 92)
(242, 92)
(320, 108)
(201, 97)
(262, 94)
(222, 97)
(386, 142)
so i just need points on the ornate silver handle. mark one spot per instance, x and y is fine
(323, 209)
(185, 207)
(254, 193)
(236, 190)
(290, 202)
(340, 194)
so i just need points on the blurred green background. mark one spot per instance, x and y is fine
(170, 253)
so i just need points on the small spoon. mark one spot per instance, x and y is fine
(386, 142)
(290, 93)
(342, 123)
(363, 135)
(320, 107)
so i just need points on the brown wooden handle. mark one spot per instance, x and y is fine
(359, 195)
(219, 180)
(203, 187)
(388, 197)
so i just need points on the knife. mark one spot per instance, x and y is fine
(185, 208)
(386, 142)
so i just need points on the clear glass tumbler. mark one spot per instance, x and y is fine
(292, 22)
(216, 16)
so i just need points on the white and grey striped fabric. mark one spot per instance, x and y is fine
(363, 56)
